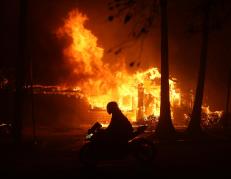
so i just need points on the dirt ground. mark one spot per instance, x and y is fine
(56, 154)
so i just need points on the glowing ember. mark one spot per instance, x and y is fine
(101, 83)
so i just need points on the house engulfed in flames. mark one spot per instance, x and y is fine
(138, 94)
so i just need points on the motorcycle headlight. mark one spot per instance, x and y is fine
(88, 136)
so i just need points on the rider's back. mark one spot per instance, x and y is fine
(119, 129)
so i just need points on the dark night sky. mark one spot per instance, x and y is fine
(45, 16)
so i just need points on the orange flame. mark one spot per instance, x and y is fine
(210, 113)
(103, 83)
(83, 51)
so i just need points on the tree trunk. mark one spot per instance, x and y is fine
(165, 127)
(20, 73)
(194, 127)
(226, 117)
(228, 93)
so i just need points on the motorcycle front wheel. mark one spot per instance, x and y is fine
(86, 156)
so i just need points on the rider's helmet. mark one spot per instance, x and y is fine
(112, 107)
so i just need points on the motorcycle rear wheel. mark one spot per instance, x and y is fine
(145, 151)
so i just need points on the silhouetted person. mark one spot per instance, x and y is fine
(119, 130)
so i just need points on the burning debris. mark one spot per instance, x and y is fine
(56, 89)
(209, 119)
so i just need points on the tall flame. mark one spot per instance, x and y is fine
(83, 52)
(102, 82)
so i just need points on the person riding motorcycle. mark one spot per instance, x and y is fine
(117, 141)
(119, 130)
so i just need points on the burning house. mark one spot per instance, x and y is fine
(138, 94)
(98, 82)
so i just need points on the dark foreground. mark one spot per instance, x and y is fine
(56, 155)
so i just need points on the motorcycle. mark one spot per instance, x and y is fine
(138, 147)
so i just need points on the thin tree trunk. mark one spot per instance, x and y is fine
(32, 102)
(165, 127)
(226, 116)
(228, 93)
(20, 70)
(194, 127)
